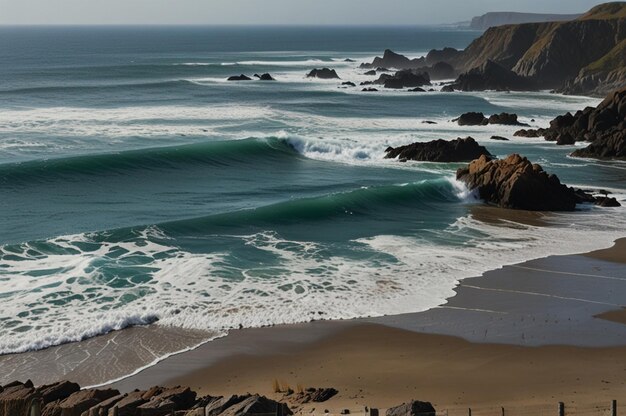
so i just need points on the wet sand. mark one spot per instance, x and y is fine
(524, 335)
(535, 333)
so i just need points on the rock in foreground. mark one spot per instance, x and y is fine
(459, 150)
(241, 77)
(516, 183)
(413, 408)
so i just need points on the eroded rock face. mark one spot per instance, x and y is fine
(404, 79)
(413, 408)
(459, 150)
(507, 119)
(78, 402)
(264, 77)
(16, 398)
(514, 182)
(312, 395)
(324, 73)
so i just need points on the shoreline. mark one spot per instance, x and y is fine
(447, 319)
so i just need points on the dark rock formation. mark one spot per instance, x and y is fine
(324, 73)
(241, 77)
(472, 119)
(349, 60)
(391, 59)
(264, 77)
(369, 90)
(499, 138)
(441, 70)
(348, 84)
(57, 391)
(603, 126)
(370, 73)
(16, 398)
(413, 408)
(516, 183)
(418, 89)
(404, 79)
(446, 55)
(529, 133)
(506, 119)
(448, 88)
(459, 150)
(492, 76)
(428, 122)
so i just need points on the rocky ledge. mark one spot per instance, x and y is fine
(603, 126)
(459, 150)
(324, 73)
(515, 182)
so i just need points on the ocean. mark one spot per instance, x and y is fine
(140, 187)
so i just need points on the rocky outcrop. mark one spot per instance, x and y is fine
(413, 408)
(78, 402)
(514, 182)
(471, 119)
(603, 126)
(348, 84)
(264, 77)
(479, 119)
(324, 73)
(459, 150)
(493, 19)
(446, 55)
(404, 79)
(492, 76)
(241, 77)
(16, 398)
(390, 59)
(499, 138)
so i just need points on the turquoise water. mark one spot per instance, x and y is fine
(139, 186)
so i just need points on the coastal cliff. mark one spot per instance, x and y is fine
(493, 19)
(582, 56)
(585, 56)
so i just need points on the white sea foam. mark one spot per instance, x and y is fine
(187, 289)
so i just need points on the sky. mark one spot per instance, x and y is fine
(291, 12)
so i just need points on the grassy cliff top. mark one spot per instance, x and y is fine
(613, 10)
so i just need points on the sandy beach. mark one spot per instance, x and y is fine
(570, 353)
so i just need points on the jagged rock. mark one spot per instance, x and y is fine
(506, 119)
(57, 391)
(241, 77)
(471, 119)
(349, 60)
(79, 402)
(448, 88)
(264, 77)
(391, 59)
(516, 183)
(16, 398)
(312, 395)
(369, 90)
(446, 55)
(324, 73)
(499, 138)
(372, 72)
(413, 408)
(459, 150)
(245, 405)
(403, 79)
(529, 133)
(603, 126)
(349, 84)
(168, 399)
(102, 408)
(492, 76)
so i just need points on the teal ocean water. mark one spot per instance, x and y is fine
(139, 187)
